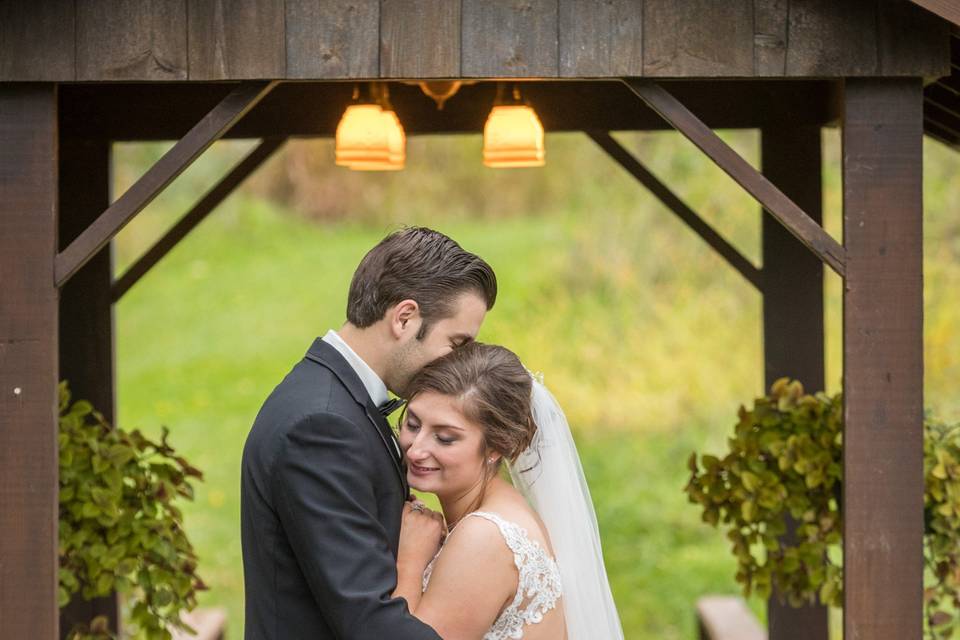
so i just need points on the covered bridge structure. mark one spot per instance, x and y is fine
(76, 76)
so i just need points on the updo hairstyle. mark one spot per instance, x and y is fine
(494, 389)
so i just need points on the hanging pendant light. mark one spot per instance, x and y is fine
(369, 136)
(513, 135)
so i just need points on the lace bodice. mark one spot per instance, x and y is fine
(539, 586)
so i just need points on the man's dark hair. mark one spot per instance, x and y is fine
(419, 264)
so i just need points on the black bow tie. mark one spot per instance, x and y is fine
(390, 406)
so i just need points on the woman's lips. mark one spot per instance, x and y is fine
(418, 470)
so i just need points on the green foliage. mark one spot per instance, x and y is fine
(785, 458)
(119, 528)
(941, 464)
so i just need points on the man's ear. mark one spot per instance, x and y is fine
(404, 317)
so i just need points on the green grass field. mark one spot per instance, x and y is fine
(649, 341)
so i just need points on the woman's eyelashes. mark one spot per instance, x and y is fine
(415, 428)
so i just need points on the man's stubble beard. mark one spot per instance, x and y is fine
(406, 363)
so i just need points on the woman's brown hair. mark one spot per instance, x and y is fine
(494, 389)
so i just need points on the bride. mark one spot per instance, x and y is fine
(520, 560)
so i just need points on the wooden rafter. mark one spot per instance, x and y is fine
(195, 216)
(635, 168)
(207, 131)
(773, 200)
(947, 9)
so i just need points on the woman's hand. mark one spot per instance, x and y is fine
(420, 533)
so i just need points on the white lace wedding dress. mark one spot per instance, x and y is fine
(538, 590)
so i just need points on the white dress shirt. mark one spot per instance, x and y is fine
(371, 381)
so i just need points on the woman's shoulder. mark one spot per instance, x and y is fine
(508, 507)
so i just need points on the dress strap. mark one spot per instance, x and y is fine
(507, 529)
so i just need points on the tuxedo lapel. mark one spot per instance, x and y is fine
(326, 356)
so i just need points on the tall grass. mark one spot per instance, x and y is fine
(648, 339)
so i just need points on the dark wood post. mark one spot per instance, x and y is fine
(793, 313)
(28, 361)
(86, 312)
(883, 358)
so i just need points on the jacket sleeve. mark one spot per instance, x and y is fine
(325, 500)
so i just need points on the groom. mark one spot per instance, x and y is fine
(323, 479)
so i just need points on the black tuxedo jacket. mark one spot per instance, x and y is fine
(323, 486)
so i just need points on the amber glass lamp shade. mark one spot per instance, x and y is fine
(513, 137)
(370, 138)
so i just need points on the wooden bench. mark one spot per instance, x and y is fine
(727, 618)
(208, 623)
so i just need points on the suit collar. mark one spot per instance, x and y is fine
(323, 353)
(371, 381)
(327, 356)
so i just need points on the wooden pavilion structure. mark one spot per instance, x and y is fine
(76, 76)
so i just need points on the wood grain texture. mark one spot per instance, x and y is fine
(333, 38)
(509, 38)
(133, 40)
(28, 361)
(793, 320)
(419, 39)
(601, 39)
(882, 139)
(830, 38)
(236, 39)
(36, 41)
(770, 37)
(901, 54)
(698, 38)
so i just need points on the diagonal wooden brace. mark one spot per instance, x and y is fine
(195, 216)
(773, 200)
(210, 129)
(635, 168)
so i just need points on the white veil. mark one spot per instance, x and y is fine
(550, 476)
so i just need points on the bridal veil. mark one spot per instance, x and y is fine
(550, 476)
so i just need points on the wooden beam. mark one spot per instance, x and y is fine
(779, 205)
(727, 618)
(635, 168)
(165, 111)
(86, 317)
(793, 334)
(882, 140)
(28, 361)
(949, 10)
(213, 125)
(195, 216)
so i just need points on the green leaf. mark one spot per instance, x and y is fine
(750, 481)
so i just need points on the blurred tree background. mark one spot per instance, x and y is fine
(647, 338)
